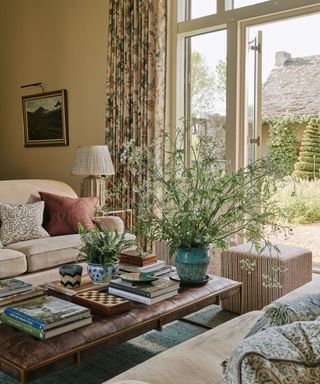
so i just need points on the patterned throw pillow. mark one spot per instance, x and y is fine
(280, 355)
(304, 308)
(21, 222)
(63, 214)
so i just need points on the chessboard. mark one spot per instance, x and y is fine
(102, 302)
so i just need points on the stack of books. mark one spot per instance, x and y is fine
(14, 291)
(133, 261)
(13, 286)
(148, 293)
(46, 317)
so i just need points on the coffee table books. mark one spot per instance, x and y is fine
(148, 294)
(86, 285)
(141, 299)
(152, 289)
(48, 334)
(12, 286)
(152, 268)
(47, 312)
(19, 297)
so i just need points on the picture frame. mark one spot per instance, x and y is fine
(45, 120)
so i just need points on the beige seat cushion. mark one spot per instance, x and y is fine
(196, 361)
(50, 252)
(12, 263)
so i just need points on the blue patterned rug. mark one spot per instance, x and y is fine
(110, 362)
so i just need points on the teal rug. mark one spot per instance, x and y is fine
(111, 362)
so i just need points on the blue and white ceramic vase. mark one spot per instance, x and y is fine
(192, 264)
(103, 273)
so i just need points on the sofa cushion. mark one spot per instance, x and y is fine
(21, 222)
(302, 308)
(197, 360)
(50, 252)
(63, 214)
(12, 263)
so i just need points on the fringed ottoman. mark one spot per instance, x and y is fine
(296, 261)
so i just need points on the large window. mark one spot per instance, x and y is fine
(209, 71)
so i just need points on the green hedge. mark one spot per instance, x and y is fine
(308, 164)
(282, 146)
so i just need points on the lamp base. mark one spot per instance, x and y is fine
(94, 186)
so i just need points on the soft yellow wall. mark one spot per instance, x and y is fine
(63, 44)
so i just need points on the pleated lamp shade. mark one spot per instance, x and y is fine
(93, 160)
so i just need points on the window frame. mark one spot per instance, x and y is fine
(235, 21)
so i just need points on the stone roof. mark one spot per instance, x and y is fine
(293, 87)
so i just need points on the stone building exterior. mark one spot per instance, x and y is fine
(292, 89)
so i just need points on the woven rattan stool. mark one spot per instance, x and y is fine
(296, 260)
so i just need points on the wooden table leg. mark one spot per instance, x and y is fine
(23, 377)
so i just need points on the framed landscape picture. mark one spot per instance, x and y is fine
(45, 119)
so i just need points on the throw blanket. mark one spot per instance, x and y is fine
(280, 355)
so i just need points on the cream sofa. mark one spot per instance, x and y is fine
(198, 360)
(37, 261)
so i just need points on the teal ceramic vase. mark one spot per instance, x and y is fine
(192, 264)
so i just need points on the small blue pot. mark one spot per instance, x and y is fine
(102, 273)
(192, 264)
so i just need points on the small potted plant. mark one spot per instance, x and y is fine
(100, 248)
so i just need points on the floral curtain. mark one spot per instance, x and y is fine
(136, 79)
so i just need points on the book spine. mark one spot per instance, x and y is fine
(147, 269)
(23, 327)
(26, 319)
(138, 263)
(129, 289)
(130, 296)
(12, 291)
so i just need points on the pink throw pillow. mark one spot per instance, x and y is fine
(63, 214)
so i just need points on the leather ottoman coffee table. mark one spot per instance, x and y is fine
(22, 356)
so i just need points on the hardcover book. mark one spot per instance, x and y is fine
(46, 312)
(141, 299)
(152, 289)
(13, 286)
(133, 253)
(148, 268)
(44, 335)
(19, 297)
(139, 262)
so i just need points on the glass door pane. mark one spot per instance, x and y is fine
(245, 3)
(193, 9)
(206, 90)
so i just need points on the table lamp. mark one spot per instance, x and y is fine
(95, 161)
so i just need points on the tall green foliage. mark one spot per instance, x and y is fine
(308, 164)
(282, 146)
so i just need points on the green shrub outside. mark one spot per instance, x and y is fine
(298, 200)
(282, 146)
(308, 164)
